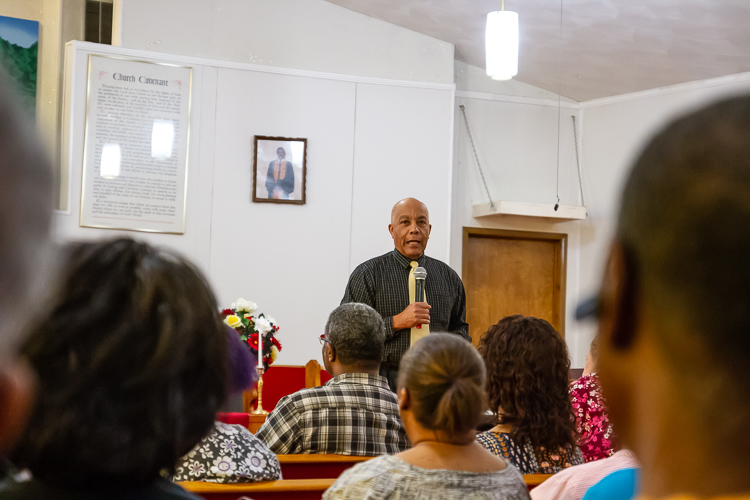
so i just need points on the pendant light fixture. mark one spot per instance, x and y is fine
(501, 39)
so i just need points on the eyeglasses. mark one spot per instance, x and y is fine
(322, 339)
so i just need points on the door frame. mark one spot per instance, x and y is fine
(560, 266)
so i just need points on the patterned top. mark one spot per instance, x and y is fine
(229, 454)
(383, 284)
(592, 421)
(524, 457)
(352, 414)
(392, 478)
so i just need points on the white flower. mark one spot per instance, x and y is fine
(262, 325)
(242, 305)
(196, 468)
(223, 466)
(255, 461)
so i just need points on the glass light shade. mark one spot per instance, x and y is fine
(501, 39)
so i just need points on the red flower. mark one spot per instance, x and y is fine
(252, 341)
(226, 312)
(276, 343)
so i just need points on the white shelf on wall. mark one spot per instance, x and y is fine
(543, 210)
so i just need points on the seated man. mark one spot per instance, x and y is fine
(354, 413)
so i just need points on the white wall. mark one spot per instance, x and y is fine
(302, 34)
(515, 130)
(615, 130)
(370, 143)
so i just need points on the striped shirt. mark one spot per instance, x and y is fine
(352, 414)
(572, 483)
(383, 284)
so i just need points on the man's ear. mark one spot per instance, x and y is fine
(404, 400)
(390, 229)
(330, 352)
(17, 387)
(618, 299)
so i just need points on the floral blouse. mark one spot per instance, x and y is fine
(529, 461)
(592, 422)
(229, 454)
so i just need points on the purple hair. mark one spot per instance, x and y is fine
(241, 363)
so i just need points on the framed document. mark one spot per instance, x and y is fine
(136, 144)
(279, 169)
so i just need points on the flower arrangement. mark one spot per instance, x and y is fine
(254, 329)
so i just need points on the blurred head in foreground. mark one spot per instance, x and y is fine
(131, 356)
(527, 381)
(674, 307)
(25, 214)
(441, 389)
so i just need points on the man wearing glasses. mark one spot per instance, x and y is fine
(354, 413)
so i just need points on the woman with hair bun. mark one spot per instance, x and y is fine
(527, 384)
(441, 399)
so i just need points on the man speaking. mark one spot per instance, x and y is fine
(387, 284)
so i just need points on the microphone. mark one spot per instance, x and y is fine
(420, 274)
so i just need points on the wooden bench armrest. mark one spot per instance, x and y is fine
(535, 479)
(320, 459)
(262, 486)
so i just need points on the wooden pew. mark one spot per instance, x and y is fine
(316, 466)
(534, 480)
(302, 489)
(299, 489)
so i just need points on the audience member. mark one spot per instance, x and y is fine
(619, 485)
(230, 453)
(130, 353)
(354, 413)
(441, 399)
(592, 422)
(673, 309)
(25, 214)
(527, 383)
(574, 482)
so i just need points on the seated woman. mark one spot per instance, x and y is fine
(592, 421)
(527, 384)
(441, 399)
(130, 355)
(230, 453)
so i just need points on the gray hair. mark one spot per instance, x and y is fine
(357, 332)
(25, 216)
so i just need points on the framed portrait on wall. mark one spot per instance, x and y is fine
(279, 169)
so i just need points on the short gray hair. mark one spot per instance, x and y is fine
(357, 332)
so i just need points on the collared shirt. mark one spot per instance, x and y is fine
(383, 284)
(352, 414)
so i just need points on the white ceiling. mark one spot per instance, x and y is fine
(608, 47)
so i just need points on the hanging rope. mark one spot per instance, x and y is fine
(476, 157)
(578, 162)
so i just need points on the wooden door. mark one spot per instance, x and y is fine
(513, 272)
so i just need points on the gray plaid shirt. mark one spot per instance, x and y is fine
(352, 414)
(383, 284)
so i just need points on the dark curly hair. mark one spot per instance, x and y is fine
(131, 356)
(527, 375)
